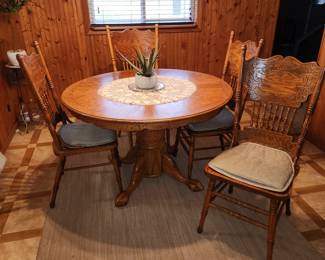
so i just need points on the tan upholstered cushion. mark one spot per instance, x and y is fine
(256, 164)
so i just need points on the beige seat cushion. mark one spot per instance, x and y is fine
(257, 165)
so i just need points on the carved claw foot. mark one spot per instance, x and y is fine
(122, 199)
(195, 185)
(200, 229)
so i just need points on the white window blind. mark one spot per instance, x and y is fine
(120, 12)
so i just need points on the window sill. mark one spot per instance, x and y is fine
(93, 30)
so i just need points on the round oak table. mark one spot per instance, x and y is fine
(150, 154)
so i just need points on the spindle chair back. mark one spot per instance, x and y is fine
(33, 67)
(231, 67)
(127, 41)
(64, 118)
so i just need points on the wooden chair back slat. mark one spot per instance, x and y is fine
(272, 116)
(64, 118)
(126, 42)
(233, 58)
(48, 75)
(275, 88)
(34, 69)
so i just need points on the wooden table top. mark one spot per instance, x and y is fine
(83, 101)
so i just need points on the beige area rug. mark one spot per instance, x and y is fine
(159, 222)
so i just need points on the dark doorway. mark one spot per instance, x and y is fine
(300, 28)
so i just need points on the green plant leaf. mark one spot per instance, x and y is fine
(153, 58)
(146, 64)
(140, 57)
(11, 6)
(128, 61)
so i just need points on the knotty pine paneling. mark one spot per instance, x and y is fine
(72, 54)
(10, 38)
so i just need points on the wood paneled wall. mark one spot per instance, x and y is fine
(73, 54)
(316, 132)
(10, 38)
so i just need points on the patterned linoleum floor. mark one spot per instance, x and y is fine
(25, 186)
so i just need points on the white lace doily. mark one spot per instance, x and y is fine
(175, 89)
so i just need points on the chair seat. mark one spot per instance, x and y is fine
(223, 120)
(257, 165)
(85, 135)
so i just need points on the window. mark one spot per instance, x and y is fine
(141, 12)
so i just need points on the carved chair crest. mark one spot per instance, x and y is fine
(127, 41)
(233, 57)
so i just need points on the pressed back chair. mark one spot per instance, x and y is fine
(126, 42)
(231, 67)
(63, 116)
(220, 125)
(263, 157)
(68, 139)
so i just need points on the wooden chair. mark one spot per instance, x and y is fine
(126, 42)
(68, 139)
(221, 125)
(263, 157)
(63, 116)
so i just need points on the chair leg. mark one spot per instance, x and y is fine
(190, 157)
(230, 189)
(168, 137)
(174, 148)
(115, 161)
(59, 173)
(288, 209)
(130, 139)
(62, 171)
(271, 228)
(222, 143)
(118, 158)
(205, 208)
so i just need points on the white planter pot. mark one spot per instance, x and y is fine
(12, 56)
(146, 82)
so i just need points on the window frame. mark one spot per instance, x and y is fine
(176, 27)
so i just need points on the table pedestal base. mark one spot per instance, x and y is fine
(151, 158)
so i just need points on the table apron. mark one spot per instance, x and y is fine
(130, 125)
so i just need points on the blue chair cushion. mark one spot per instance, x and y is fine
(223, 120)
(85, 135)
